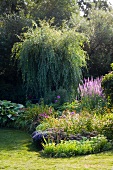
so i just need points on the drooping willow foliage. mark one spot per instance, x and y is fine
(50, 58)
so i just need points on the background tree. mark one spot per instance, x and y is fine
(86, 6)
(100, 49)
(59, 10)
(12, 6)
(12, 25)
(99, 32)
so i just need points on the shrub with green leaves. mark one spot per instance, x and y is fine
(9, 112)
(57, 98)
(105, 125)
(71, 106)
(33, 116)
(74, 148)
(107, 84)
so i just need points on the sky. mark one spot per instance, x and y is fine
(111, 1)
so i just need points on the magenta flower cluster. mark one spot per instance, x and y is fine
(43, 115)
(91, 87)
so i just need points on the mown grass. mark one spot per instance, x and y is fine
(18, 153)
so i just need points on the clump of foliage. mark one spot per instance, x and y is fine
(50, 59)
(57, 98)
(71, 106)
(107, 84)
(73, 148)
(74, 123)
(59, 10)
(70, 122)
(106, 125)
(33, 115)
(91, 93)
(9, 112)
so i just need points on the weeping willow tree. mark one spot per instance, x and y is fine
(50, 58)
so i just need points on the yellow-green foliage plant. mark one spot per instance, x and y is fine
(70, 122)
(73, 148)
(74, 123)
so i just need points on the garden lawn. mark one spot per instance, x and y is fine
(18, 153)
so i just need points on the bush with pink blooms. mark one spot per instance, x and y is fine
(91, 94)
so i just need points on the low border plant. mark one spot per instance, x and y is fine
(74, 148)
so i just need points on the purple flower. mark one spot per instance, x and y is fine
(58, 97)
(72, 113)
(56, 101)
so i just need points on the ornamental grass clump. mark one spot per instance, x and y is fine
(91, 94)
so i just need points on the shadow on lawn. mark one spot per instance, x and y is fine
(11, 139)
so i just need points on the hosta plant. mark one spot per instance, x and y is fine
(9, 112)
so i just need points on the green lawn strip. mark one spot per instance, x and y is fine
(18, 153)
